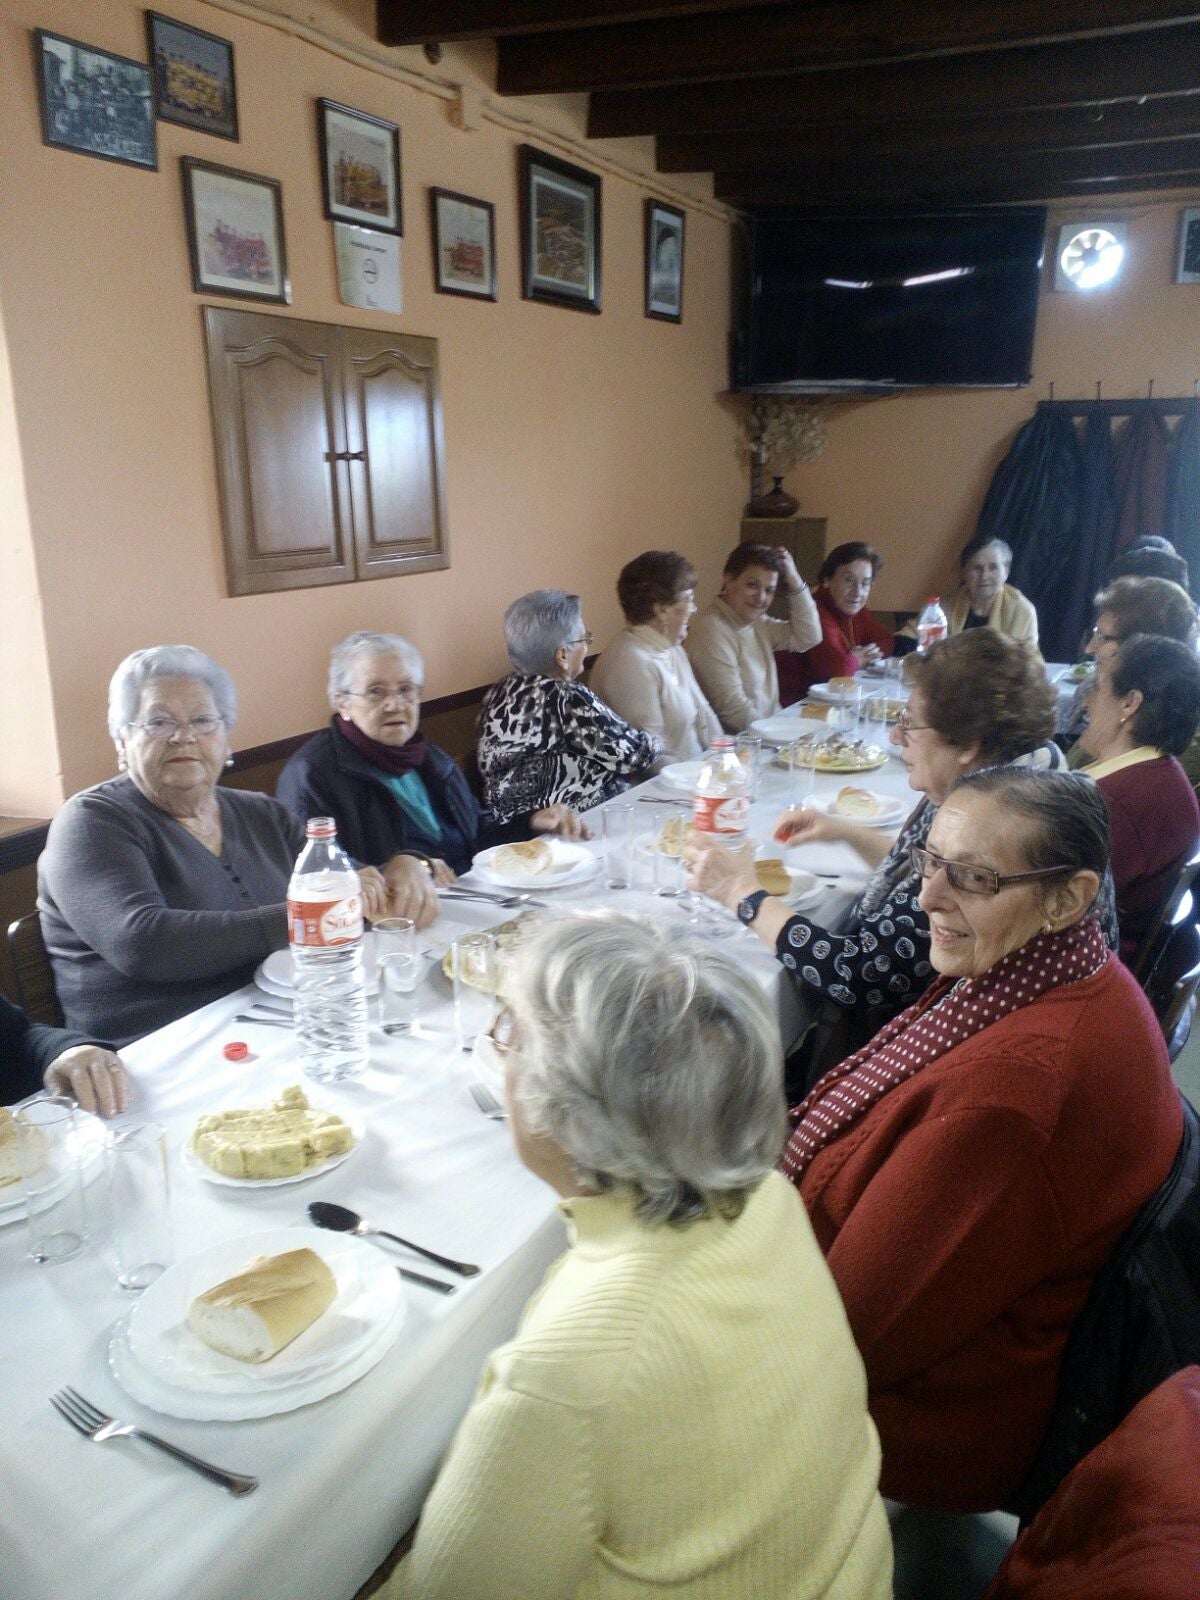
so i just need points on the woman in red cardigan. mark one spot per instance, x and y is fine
(851, 637)
(968, 1172)
(1143, 708)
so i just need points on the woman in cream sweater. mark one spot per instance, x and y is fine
(644, 674)
(682, 1411)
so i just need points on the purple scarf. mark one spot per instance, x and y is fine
(396, 759)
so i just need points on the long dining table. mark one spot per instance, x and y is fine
(340, 1479)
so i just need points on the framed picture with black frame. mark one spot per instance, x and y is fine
(94, 102)
(194, 84)
(1187, 267)
(360, 168)
(235, 232)
(560, 232)
(464, 245)
(664, 261)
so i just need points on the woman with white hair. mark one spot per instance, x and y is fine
(682, 1410)
(544, 738)
(159, 891)
(401, 804)
(986, 599)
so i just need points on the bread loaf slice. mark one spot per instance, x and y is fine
(264, 1305)
(526, 859)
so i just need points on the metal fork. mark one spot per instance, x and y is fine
(487, 1102)
(506, 900)
(93, 1424)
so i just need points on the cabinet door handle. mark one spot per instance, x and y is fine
(345, 455)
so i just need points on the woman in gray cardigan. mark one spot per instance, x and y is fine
(158, 891)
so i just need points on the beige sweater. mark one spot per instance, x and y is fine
(651, 684)
(682, 1413)
(1010, 613)
(734, 661)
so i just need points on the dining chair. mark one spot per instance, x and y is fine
(1159, 933)
(34, 974)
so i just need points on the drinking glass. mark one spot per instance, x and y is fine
(475, 964)
(802, 770)
(894, 670)
(749, 753)
(400, 973)
(844, 713)
(48, 1140)
(668, 868)
(140, 1197)
(875, 715)
(618, 845)
(394, 936)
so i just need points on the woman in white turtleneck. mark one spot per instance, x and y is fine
(644, 674)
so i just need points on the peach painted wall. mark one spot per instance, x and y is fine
(909, 473)
(572, 441)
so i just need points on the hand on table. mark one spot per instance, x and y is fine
(412, 891)
(375, 893)
(94, 1076)
(866, 655)
(724, 875)
(567, 824)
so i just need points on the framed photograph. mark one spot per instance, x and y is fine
(193, 77)
(664, 261)
(360, 168)
(560, 232)
(1188, 268)
(235, 232)
(464, 245)
(94, 102)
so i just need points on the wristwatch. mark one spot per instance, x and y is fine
(748, 908)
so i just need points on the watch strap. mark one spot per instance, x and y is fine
(749, 907)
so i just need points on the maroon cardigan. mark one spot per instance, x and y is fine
(966, 1214)
(831, 658)
(1155, 826)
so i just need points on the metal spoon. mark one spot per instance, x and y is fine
(342, 1220)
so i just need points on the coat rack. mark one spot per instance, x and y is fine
(1176, 407)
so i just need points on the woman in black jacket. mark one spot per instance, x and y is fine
(34, 1057)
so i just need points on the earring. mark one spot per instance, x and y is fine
(121, 763)
(228, 761)
(1047, 927)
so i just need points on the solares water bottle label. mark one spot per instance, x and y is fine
(322, 924)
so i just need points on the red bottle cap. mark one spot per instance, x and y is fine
(236, 1050)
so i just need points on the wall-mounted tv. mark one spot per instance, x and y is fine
(889, 302)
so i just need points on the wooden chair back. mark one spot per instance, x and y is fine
(35, 976)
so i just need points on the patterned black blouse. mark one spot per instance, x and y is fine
(551, 741)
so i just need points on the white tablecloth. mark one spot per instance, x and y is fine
(342, 1479)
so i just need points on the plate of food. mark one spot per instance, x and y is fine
(264, 1147)
(249, 1327)
(894, 708)
(837, 753)
(792, 884)
(508, 937)
(861, 805)
(279, 970)
(543, 863)
(1079, 673)
(89, 1138)
(836, 690)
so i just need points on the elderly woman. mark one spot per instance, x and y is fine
(544, 738)
(977, 700)
(969, 1172)
(35, 1057)
(682, 1409)
(1143, 710)
(644, 674)
(158, 891)
(731, 644)
(986, 599)
(851, 636)
(401, 804)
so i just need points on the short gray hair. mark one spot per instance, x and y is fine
(651, 1058)
(365, 643)
(976, 545)
(537, 624)
(167, 661)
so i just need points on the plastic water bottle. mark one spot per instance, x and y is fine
(721, 799)
(325, 929)
(931, 624)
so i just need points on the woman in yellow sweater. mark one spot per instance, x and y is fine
(682, 1410)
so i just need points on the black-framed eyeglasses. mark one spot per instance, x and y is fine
(159, 728)
(967, 878)
(379, 694)
(503, 1031)
(905, 725)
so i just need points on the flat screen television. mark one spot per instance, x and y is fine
(889, 302)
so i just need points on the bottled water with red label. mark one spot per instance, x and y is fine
(325, 929)
(931, 624)
(721, 799)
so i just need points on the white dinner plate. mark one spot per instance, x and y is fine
(192, 1162)
(280, 971)
(784, 728)
(680, 777)
(281, 991)
(90, 1138)
(161, 1362)
(570, 864)
(822, 691)
(893, 809)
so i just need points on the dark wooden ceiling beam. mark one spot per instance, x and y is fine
(435, 21)
(829, 35)
(1083, 72)
(989, 137)
(1046, 175)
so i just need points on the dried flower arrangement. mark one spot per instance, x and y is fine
(781, 431)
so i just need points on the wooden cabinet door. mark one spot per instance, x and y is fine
(279, 428)
(394, 440)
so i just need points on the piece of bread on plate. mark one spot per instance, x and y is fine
(254, 1314)
(772, 875)
(525, 859)
(860, 804)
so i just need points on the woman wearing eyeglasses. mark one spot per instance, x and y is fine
(682, 1410)
(401, 803)
(159, 891)
(544, 738)
(969, 1171)
(978, 700)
